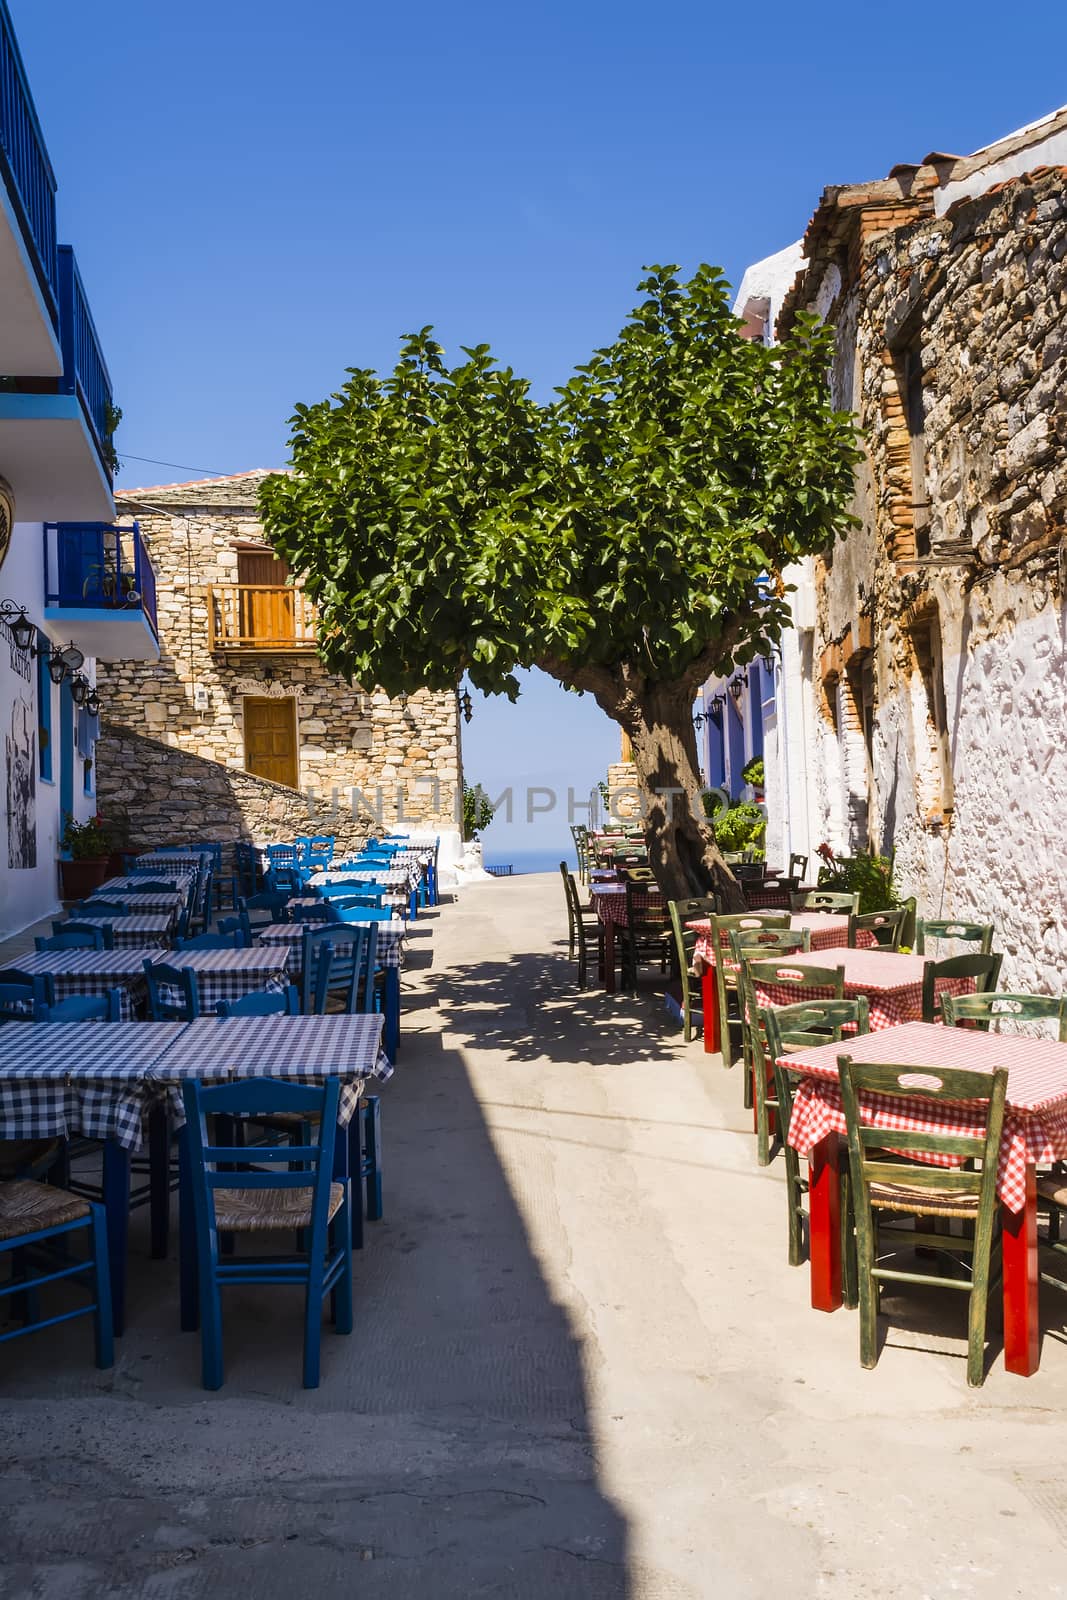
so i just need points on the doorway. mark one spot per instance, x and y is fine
(270, 739)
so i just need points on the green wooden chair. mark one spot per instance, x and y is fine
(887, 927)
(580, 835)
(799, 980)
(745, 945)
(583, 927)
(984, 969)
(681, 912)
(806, 1027)
(980, 934)
(647, 938)
(911, 1189)
(826, 900)
(985, 1010)
(726, 977)
(798, 867)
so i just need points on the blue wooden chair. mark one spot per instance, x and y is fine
(338, 962)
(36, 1222)
(106, 932)
(273, 903)
(285, 1004)
(23, 995)
(106, 1007)
(234, 940)
(161, 1007)
(337, 905)
(316, 913)
(72, 939)
(228, 1197)
(103, 908)
(147, 885)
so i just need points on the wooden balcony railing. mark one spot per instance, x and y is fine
(245, 616)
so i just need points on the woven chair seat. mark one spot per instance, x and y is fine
(1053, 1188)
(26, 1206)
(923, 1202)
(18, 1154)
(267, 1210)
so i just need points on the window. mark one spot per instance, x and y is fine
(933, 745)
(44, 707)
(266, 603)
(911, 377)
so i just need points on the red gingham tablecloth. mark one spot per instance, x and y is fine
(1035, 1118)
(610, 902)
(828, 932)
(892, 983)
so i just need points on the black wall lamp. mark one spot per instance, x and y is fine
(18, 624)
(466, 705)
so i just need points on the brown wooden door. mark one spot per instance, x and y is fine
(266, 609)
(270, 739)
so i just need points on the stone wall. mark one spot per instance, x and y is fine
(401, 756)
(624, 801)
(952, 588)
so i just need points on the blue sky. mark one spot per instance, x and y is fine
(261, 194)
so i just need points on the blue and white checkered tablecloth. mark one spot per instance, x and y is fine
(60, 1079)
(389, 878)
(115, 887)
(229, 974)
(176, 860)
(94, 972)
(135, 932)
(389, 950)
(156, 905)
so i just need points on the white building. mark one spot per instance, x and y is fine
(69, 581)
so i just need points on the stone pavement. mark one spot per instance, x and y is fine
(581, 1367)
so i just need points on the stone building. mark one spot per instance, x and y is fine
(936, 659)
(239, 729)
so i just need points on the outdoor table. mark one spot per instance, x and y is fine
(828, 932)
(150, 904)
(169, 861)
(114, 887)
(94, 972)
(1035, 1133)
(610, 902)
(64, 1079)
(229, 974)
(137, 931)
(389, 955)
(401, 879)
(892, 983)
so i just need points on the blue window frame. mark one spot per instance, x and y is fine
(44, 707)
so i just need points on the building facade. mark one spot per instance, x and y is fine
(239, 730)
(71, 591)
(935, 679)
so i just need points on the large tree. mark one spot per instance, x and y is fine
(628, 538)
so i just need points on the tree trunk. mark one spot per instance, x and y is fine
(682, 850)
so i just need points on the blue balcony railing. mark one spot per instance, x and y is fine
(25, 167)
(84, 369)
(97, 566)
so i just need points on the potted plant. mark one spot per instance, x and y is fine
(88, 846)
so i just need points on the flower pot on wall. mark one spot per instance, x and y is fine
(78, 879)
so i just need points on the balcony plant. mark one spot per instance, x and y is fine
(88, 847)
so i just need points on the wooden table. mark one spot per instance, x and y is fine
(1035, 1132)
(94, 972)
(139, 931)
(610, 902)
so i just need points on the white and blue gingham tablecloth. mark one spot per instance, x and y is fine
(135, 932)
(289, 936)
(94, 972)
(229, 974)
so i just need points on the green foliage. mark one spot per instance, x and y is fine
(447, 523)
(112, 418)
(88, 841)
(477, 810)
(872, 875)
(741, 827)
(752, 772)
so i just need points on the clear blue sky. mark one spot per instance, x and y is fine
(261, 194)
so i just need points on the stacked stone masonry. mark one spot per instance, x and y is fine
(173, 746)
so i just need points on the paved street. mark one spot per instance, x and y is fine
(581, 1367)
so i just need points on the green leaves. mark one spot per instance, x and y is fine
(446, 522)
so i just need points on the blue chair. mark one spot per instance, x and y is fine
(23, 995)
(315, 913)
(105, 1007)
(229, 1198)
(339, 961)
(274, 902)
(367, 899)
(147, 885)
(285, 1004)
(236, 939)
(72, 939)
(36, 1221)
(245, 870)
(102, 908)
(316, 850)
(346, 887)
(105, 932)
(161, 1007)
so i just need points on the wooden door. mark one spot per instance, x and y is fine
(266, 609)
(270, 739)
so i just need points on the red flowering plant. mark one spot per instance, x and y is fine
(88, 841)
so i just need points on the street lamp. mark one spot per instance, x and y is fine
(466, 705)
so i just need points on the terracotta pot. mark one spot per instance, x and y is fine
(78, 879)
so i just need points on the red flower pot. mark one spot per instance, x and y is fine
(78, 879)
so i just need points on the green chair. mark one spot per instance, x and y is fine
(983, 1010)
(806, 1027)
(984, 969)
(980, 934)
(826, 900)
(912, 1189)
(886, 926)
(681, 912)
(647, 938)
(798, 866)
(580, 835)
(583, 927)
(726, 975)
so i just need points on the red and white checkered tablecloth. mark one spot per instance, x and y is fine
(1035, 1118)
(610, 901)
(892, 983)
(828, 932)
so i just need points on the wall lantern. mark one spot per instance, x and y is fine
(79, 689)
(717, 703)
(737, 687)
(92, 703)
(466, 705)
(57, 667)
(699, 718)
(21, 629)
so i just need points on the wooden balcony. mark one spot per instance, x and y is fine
(245, 616)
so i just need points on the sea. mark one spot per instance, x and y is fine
(523, 861)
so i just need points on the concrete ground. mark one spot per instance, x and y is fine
(581, 1366)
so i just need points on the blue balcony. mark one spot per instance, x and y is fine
(100, 590)
(29, 265)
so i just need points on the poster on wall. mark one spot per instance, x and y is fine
(21, 750)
